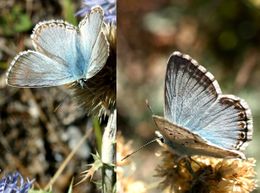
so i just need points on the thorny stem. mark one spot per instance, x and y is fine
(109, 155)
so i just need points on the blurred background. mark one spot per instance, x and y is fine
(223, 36)
(40, 127)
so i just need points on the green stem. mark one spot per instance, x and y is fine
(109, 155)
(98, 133)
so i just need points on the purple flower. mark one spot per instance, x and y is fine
(109, 7)
(14, 183)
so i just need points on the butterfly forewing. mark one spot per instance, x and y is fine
(57, 37)
(95, 41)
(187, 90)
(194, 101)
(98, 57)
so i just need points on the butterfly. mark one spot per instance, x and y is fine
(198, 118)
(64, 53)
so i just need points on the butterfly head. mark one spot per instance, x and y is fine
(160, 138)
(82, 83)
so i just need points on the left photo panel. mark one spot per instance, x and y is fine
(58, 96)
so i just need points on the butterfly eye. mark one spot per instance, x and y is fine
(159, 136)
(162, 140)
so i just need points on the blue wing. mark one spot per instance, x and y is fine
(85, 49)
(193, 100)
(64, 53)
(60, 40)
(94, 45)
(33, 69)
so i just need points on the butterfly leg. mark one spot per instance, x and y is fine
(188, 163)
(195, 161)
(183, 163)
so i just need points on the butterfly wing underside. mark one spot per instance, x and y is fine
(184, 142)
(194, 101)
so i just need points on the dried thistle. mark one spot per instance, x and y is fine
(206, 174)
(126, 183)
(93, 168)
(99, 95)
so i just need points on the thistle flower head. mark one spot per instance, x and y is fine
(109, 7)
(206, 174)
(14, 183)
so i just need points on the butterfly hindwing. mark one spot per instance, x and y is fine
(228, 123)
(33, 69)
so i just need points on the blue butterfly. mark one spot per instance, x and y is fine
(199, 119)
(64, 53)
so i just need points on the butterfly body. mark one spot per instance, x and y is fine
(198, 118)
(64, 53)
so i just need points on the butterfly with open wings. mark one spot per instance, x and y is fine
(198, 118)
(64, 53)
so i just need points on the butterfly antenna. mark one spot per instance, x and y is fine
(148, 106)
(58, 106)
(148, 143)
(159, 136)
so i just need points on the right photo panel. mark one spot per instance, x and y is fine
(188, 88)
